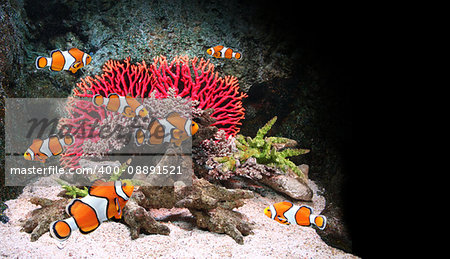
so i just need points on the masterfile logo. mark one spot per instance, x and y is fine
(44, 138)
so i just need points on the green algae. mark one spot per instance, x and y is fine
(262, 148)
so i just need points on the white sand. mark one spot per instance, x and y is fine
(112, 240)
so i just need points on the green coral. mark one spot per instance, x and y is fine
(264, 151)
(122, 168)
(73, 190)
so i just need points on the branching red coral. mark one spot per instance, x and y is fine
(192, 78)
(81, 122)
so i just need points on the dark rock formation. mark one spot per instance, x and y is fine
(211, 205)
(336, 231)
(139, 221)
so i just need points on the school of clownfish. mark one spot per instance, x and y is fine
(106, 200)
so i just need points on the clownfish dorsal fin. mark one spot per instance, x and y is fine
(35, 140)
(95, 184)
(173, 114)
(53, 51)
(113, 95)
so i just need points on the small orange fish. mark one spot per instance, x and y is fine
(223, 52)
(41, 150)
(173, 129)
(104, 201)
(71, 60)
(126, 105)
(287, 213)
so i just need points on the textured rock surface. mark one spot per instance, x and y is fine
(211, 205)
(289, 184)
(140, 221)
(39, 220)
(336, 232)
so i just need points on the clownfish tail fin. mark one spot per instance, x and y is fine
(139, 137)
(61, 229)
(69, 139)
(237, 55)
(319, 221)
(42, 62)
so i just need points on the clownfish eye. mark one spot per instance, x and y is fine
(27, 156)
(88, 59)
(124, 184)
(194, 128)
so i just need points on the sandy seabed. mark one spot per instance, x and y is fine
(112, 240)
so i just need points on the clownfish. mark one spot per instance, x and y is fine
(71, 60)
(125, 105)
(223, 52)
(40, 150)
(172, 129)
(104, 201)
(287, 213)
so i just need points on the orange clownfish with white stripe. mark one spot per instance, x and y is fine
(105, 200)
(223, 52)
(40, 150)
(125, 105)
(288, 213)
(71, 60)
(173, 129)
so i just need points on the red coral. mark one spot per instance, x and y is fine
(82, 121)
(191, 78)
(194, 78)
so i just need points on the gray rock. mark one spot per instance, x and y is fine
(289, 184)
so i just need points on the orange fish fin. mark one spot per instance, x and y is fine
(97, 100)
(118, 208)
(77, 65)
(41, 157)
(60, 230)
(113, 95)
(128, 112)
(41, 62)
(69, 139)
(139, 137)
(172, 115)
(286, 203)
(176, 133)
(35, 140)
(95, 184)
(320, 221)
